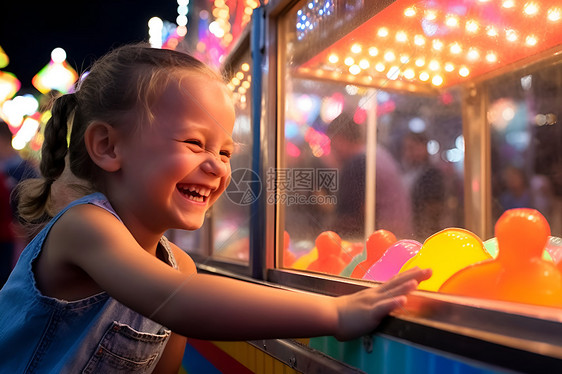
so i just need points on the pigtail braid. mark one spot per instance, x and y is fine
(55, 146)
(34, 194)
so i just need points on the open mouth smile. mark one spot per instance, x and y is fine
(196, 193)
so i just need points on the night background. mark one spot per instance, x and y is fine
(86, 30)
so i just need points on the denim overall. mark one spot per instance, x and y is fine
(40, 334)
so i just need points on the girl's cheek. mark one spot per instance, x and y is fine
(225, 182)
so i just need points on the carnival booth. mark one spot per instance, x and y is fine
(374, 136)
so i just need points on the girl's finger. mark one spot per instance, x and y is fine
(414, 273)
(399, 289)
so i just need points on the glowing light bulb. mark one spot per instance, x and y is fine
(58, 55)
(508, 4)
(404, 58)
(424, 76)
(464, 72)
(452, 21)
(356, 48)
(554, 14)
(409, 74)
(491, 31)
(531, 9)
(57, 74)
(437, 44)
(364, 64)
(181, 20)
(511, 35)
(420, 62)
(393, 73)
(410, 12)
(433, 65)
(9, 85)
(333, 58)
(455, 48)
(531, 40)
(349, 61)
(181, 30)
(472, 26)
(491, 57)
(401, 37)
(437, 80)
(473, 54)
(354, 69)
(383, 32)
(155, 23)
(449, 67)
(419, 40)
(245, 67)
(216, 29)
(389, 56)
(430, 15)
(240, 75)
(373, 51)
(380, 67)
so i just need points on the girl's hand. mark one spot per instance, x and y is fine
(361, 312)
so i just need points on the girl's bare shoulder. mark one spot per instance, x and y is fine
(57, 275)
(85, 225)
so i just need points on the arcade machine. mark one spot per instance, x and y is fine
(379, 135)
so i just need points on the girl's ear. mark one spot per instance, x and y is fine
(101, 141)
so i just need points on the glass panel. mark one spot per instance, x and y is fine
(377, 101)
(231, 213)
(394, 156)
(524, 111)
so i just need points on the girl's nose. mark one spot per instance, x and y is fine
(214, 165)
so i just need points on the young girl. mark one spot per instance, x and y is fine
(100, 289)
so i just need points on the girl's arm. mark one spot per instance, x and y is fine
(208, 306)
(171, 359)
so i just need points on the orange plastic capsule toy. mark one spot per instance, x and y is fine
(519, 273)
(329, 248)
(288, 256)
(377, 244)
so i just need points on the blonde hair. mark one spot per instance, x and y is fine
(124, 84)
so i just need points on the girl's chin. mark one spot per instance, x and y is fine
(192, 224)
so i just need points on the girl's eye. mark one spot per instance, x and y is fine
(194, 142)
(227, 154)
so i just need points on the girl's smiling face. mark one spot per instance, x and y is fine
(175, 168)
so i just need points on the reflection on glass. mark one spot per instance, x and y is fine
(230, 214)
(523, 112)
(384, 97)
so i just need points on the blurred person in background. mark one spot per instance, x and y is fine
(12, 164)
(392, 204)
(7, 237)
(426, 183)
(14, 169)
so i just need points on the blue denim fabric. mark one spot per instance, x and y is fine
(40, 334)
